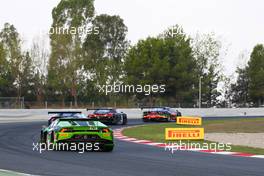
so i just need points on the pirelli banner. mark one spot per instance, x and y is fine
(184, 133)
(189, 120)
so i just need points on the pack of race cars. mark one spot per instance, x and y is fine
(71, 127)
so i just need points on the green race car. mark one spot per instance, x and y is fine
(71, 131)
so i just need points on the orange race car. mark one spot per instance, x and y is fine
(160, 113)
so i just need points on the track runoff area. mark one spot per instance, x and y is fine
(188, 133)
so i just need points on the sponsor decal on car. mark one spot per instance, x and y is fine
(184, 133)
(189, 120)
(93, 128)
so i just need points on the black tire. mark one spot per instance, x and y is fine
(115, 121)
(124, 119)
(108, 148)
(52, 137)
(50, 142)
(43, 137)
(145, 120)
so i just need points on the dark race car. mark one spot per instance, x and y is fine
(108, 116)
(160, 114)
(60, 114)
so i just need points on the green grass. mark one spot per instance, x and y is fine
(156, 132)
(245, 125)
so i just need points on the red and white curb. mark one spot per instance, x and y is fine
(118, 135)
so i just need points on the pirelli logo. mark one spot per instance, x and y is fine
(189, 120)
(184, 133)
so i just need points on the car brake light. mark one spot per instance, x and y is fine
(65, 130)
(105, 130)
(91, 115)
(109, 115)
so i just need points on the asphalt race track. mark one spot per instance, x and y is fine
(127, 159)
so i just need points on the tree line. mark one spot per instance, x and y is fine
(248, 90)
(77, 63)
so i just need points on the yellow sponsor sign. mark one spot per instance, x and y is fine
(189, 120)
(184, 133)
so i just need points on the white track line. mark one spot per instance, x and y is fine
(14, 173)
(257, 156)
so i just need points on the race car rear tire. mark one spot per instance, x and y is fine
(108, 148)
(42, 138)
(49, 141)
(124, 120)
(119, 120)
(145, 120)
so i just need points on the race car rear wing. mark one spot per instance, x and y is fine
(78, 119)
(90, 109)
(152, 107)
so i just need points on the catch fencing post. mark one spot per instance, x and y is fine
(46, 104)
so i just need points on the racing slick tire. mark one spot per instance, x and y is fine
(124, 120)
(108, 148)
(42, 137)
(145, 120)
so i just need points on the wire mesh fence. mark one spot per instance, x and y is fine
(91, 104)
(21, 103)
(12, 103)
